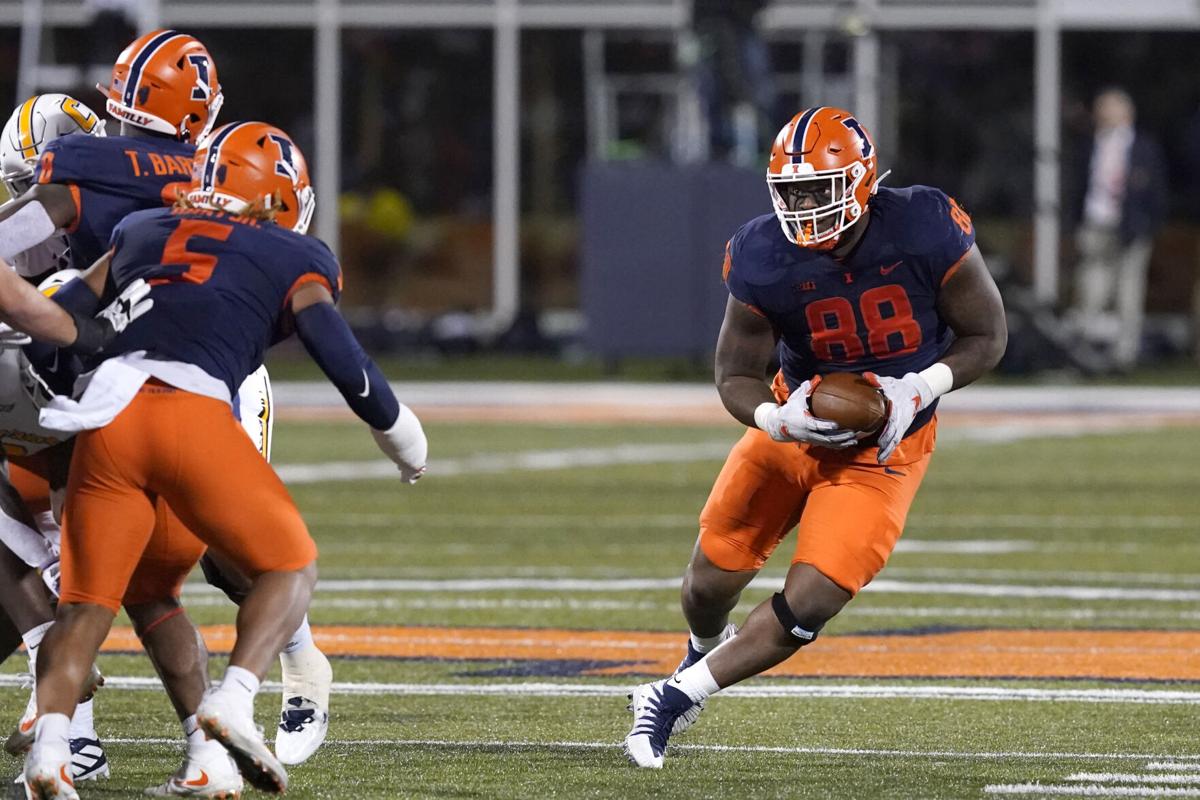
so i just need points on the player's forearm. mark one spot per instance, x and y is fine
(331, 343)
(742, 394)
(26, 309)
(971, 357)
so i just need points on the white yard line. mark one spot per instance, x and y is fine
(217, 600)
(634, 453)
(1089, 790)
(1131, 777)
(1173, 765)
(1062, 399)
(1056, 521)
(853, 752)
(521, 461)
(885, 586)
(1176, 580)
(766, 690)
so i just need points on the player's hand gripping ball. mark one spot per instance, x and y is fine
(851, 401)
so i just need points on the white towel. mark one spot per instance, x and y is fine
(109, 389)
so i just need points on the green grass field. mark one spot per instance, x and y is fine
(1031, 547)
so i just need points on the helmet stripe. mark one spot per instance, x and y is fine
(214, 155)
(139, 62)
(800, 133)
(25, 128)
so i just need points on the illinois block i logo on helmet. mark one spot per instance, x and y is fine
(826, 154)
(166, 82)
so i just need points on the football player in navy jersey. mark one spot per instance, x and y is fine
(230, 276)
(844, 276)
(166, 95)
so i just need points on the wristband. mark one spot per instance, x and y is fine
(939, 379)
(762, 415)
(90, 334)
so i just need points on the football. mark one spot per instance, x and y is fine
(849, 400)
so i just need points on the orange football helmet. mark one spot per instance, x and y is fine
(166, 82)
(253, 165)
(821, 176)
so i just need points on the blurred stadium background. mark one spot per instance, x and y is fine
(473, 158)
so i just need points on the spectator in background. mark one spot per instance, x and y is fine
(737, 89)
(1118, 205)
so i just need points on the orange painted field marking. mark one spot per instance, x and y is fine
(1131, 655)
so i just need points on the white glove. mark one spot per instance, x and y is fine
(129, 305)
(405, 444)
(93, 334)
(10, 338)
(794, 422)
(906, 397)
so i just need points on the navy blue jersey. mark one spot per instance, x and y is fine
(221, 286)
(111, 177)
(874, 311)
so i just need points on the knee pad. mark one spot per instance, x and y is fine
(802, 631)
(215, 577)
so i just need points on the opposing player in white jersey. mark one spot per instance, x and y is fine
(28, 530)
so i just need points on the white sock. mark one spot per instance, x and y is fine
(53, 730)
(705, 644)
(301, 639)
(33, 639)
(240, 683)
(83, 722)
(696, 681)
(199, 746)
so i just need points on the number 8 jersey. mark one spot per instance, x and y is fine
(221, 285)
(876, 309)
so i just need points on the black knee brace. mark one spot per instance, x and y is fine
(802, 631)
(215, 577)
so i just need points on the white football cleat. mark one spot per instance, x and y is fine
(302, 729)
(48, 773)
(304, 718)
(656, 706)
(21, 738)
(88, 761)
(233, 726)
(215, 777)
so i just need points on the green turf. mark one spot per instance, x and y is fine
(1117, 511)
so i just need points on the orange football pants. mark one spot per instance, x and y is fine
(849, 510)
(29, 476)
(121, 545)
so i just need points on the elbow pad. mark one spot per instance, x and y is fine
(331, 343)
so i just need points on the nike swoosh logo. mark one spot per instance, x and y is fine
(676, 679)
(26, 727)
(66, 778)
(890, 471)
(201, 781)
(888, 269)
(366, 385)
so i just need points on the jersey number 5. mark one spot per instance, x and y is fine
(198, 267)
(834, 328)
